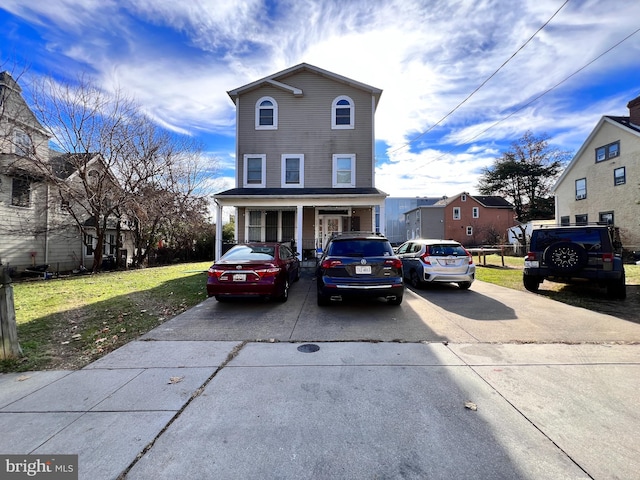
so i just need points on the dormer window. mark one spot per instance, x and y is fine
(266, 114)
(342, 113)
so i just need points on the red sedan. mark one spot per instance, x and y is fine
(254, 269)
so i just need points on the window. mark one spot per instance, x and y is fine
(22, 143)
(581, 188)
(564, 221)
(469, 231)
(463, 198)
(88, 242)
(456, 213)
(266, 114)
(271, 225)
(475, 212)
(21, 192)
(619, 176)
(605, 218)
(293, 170)
(342, 113)
(254, 170)
(344, 171)
(607, 151)
(255, 226)
(582, 219)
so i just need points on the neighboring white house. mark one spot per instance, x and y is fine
(601, 184)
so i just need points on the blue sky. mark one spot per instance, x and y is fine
(179, 58)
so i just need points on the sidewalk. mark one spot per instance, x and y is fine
(225, 409)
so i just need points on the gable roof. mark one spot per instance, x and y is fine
(15, 108)
(623, 123)
(278, 80)
(487, 201)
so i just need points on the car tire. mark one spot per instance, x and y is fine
(464, 285)
(323, 300)
(414, 279)
(395, 301)
(285, 292)
(618, 289)
(565, 257)
(531, 283)
(220, 298)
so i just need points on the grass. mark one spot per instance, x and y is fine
(67, 323)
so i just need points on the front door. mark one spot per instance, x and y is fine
(327, 225)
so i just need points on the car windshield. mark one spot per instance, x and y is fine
(250, 252)
(360, 248)
(446, 250)
(588, 238)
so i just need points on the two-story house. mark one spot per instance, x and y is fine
(601, 183)
(305, 161)
(36, 225)
(471, 220)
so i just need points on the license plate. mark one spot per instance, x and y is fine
(450, 262)
(239, 277)
(363, 269)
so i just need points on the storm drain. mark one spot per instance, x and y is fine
(308, 348)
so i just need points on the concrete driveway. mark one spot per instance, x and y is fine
(487, 383)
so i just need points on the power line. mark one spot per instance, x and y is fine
(483, 83)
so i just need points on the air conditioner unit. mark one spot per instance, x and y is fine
(581, 196)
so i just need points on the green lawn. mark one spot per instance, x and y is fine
(69, 322)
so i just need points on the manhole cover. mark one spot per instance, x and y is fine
(308, 348)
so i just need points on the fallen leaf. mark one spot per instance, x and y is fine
(77, 336)
(175, 380)
(23, 378)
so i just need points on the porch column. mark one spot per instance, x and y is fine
(218, 252)
(383, 221)
(299, 223)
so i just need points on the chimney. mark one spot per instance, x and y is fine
(634, 111)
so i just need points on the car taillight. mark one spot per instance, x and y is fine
(531, 256)
(469, 256)
(215, 272)
(607, 257)
(268, 272)
(330, 263)
(425, 258)
(394, 262)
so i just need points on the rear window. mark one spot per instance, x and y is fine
(360, 248)
(446, 250)
(250, 252)
(590, 239)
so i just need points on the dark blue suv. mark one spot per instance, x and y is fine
(357, 264)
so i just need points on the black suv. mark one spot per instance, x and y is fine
(574, 254)
(357, 264)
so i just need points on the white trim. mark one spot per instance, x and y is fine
(263, 182)
(334, 176)
(275, 114)
(283, 169)
(352, 113)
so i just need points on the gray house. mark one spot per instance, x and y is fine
(305, 163)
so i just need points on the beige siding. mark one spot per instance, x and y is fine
(304, 127)
(602, 194)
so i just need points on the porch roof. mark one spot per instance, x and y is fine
(305, 196)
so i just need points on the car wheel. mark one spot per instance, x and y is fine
(618, 289)
(464, 285)
(297, 277)
(395, 301)
(220, 298)
(323, 300)
(565, 257)
(414, 279)
(285, 292)
(531, 283)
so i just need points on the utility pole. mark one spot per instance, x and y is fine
(9, 346)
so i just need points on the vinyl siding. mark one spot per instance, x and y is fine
(304, 127)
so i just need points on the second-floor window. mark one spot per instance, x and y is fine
(293, 170)
(344, 171)
(20, 192)
(456, 213)
(22, 143)
(607, 151)
(266, 114)
(619, 176)
(254, 171)
(581, 188)
(475, 212)
(342, 113)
